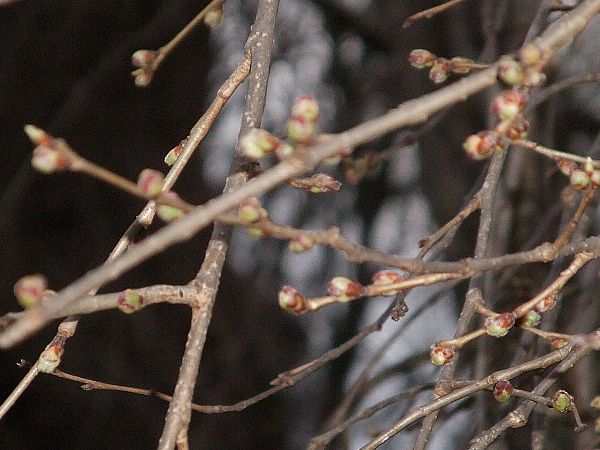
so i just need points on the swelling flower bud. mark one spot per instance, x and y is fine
(257, 143)
(499, 324)
(562, 401)
(439, 71)
(421, 59)
(151, 182)
(480, 146)
(30, 289)
(441, 354)
(503, 390)
(306, 108)
(511, 72)
(344, 289)
(292, 300)
(129, 301)
(302, 243)
(48, 160)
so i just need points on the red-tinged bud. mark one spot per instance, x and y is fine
(579, 179)
(250, 210)
(300, 130)
(532, 319)
(480, 146)
(344, 289)
(144, 58)
(292, 300)
(566, 166)
(48, 160)
(38, 136)
(557, 343)
(169, 213)
(508, 104)
(306, 108)
(439, 71)
(174, 153)
(151, 182)
(441, 354)
(547, 303)
(513, 129)
(317, 183)
(30, 290)
(129, 301)
(498, 325)
(257, 232)
(302, 243)
(50, 357)
(384, 277)
(503, 390)
(511, 72)
(460, 65)
(258, 143)
(421, 59)
(530, 54)
(213, 17)
(562, 401)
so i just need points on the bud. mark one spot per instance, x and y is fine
(174, 153)
(511, 72)
(532, 319)
(166, 212)
(499, 324)
(562, 401)
(300, 130)
(250, 210)
(421, 59)
(38, 136)
(595, 403)
(595, 178)
(503, 390)
(306, 109)
(441, 354)
(513, 129)
(50, 357)
(142, 77)
(530, 54)
(579, 179)
(480, 146)
(439, 71)
(384, 277)
(257, 143)
(292, 300)
(317, 184)
(557, 343)
(48, 160)
(588, 166)
(302, 243)
(144, 58)
(342, 152)
(508, 104)
(547, 303)
(129, 301)
(284, 150)
(566, 166)
(213, 16)
(150, 182)
(460, 65)
(30, 289)
(344, 289)
(257, 232)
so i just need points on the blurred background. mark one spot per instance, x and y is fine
(64, 66)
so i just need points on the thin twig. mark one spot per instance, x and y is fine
(429, 13)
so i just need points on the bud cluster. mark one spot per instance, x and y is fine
(47, 157)
(580, 177)
(498, 325)
(303, 121)
(439, 68)
(144, 60)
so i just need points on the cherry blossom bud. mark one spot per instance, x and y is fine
(562, 401)
(30, 289)
(257, 232)
(129, 301)
(481, 145)
(532, 319)
(50, 357)
(511, 72)
(344, 289)
(533, 77)
(166, 212)
(302, 243)
(503, 390)
(499, 324)
(441, 354)
(557, 343)
(48, 160)
(250, 210)
(439, 71)
(513, 129)
(317, 184)
(306, 109)
(508, 104)
(144, 58)
(530, 54)
(384, 277)
(292, 300)
(213, 16)
(579, 179)
(566, 166)
(460, 65)
(257, 143)
(38, 136)
(300, 130)
(174, 153)
(421, 59)
(547, 303)
(142, 77)
(151, 182)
